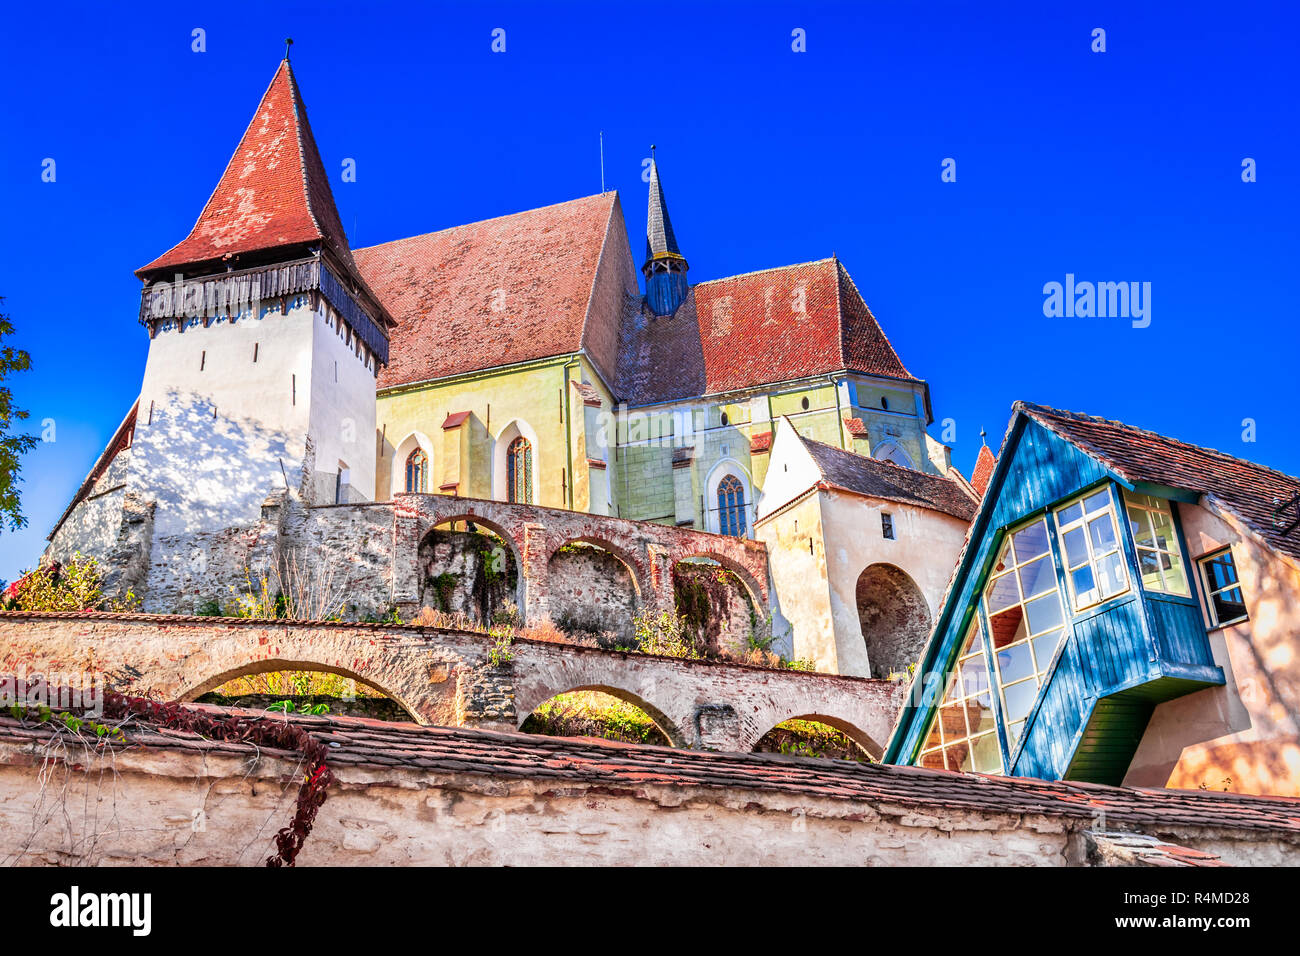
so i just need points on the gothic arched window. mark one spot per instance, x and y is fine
(417, 471)
(731, 506)
(519, 471)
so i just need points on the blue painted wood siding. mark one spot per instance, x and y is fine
(1129, 641)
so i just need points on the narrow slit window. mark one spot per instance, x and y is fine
(887, 525)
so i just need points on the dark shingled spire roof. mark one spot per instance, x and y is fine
(659, 239)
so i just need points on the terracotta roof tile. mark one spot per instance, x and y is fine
(857, 427)
(498, 292)
(760, 443)
(455, 419)
(370, 743)
(1245, 489)
(754, 329)
(274, 192)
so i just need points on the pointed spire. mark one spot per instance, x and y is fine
(273, 199)
(665, 266)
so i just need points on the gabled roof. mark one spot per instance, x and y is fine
(755, 329)
(507, 290)
(983, 471)
(659, 239)
(273, 194)
(1243, 488)
(876, 478)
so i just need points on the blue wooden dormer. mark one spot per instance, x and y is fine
(1071, 614)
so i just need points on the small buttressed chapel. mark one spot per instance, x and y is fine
(514, 360)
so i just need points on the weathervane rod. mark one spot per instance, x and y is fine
(288, 42)
(602, 162)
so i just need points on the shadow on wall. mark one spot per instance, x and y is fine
(717, 607)
(205, 472)
(895, 619)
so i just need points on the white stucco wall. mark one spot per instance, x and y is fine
(214, 425)
(342, 420)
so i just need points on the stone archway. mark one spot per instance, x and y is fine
(593, 592)
(474, 571)
(894, 617)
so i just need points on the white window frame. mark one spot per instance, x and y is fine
(1040, 668)
(1094, 558)
(1210, 591)
(966, 696)
(1165, 508)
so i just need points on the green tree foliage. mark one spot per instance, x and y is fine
(12, 446)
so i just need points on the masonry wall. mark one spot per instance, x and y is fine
(1244, 736)
(93, 525)
(174, 807)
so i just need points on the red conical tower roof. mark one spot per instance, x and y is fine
(274, 193)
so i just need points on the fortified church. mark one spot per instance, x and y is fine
(1033, 656)
(513, 360)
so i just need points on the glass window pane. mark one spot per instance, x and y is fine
(1223, 571)
(1030, 542)
(1140, 522)
(1229, 605)
(1175, 579)
(1043, 614)
(986, 756)
(1020, 699)
(1149, 563)
(1013, 732)
(953, 718)
(1085, 587)
(1111, 574)
(1102, 532)
(1004, 558)
(980, 716)
(1070, 514)
(974, 678)
(1037, 576)
(1002, 593)
(1015, 663)
(1163, 529)
(1096, 502)
(1076, 547)
(1045, 648)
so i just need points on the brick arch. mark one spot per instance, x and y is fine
(269, 665)
(848, 728)
(636, 567)
(511, 539)
(661, 720)
(757, 592)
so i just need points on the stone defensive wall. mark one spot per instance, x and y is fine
(443, 677)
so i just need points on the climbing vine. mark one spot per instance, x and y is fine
(245, 728)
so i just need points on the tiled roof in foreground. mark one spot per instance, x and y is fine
(1244, 488)
(365, 743)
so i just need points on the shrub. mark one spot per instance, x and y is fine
(72, 585)
(664, 633)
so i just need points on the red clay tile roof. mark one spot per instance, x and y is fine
(274, 192)
(360, 742)
(884, 479)
(857, 427)
(491, 293)
(587, 392)
(1244, 488)
(755, 329)
(983, 471)
(760, 443)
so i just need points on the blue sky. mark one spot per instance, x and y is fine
(1115, 166)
